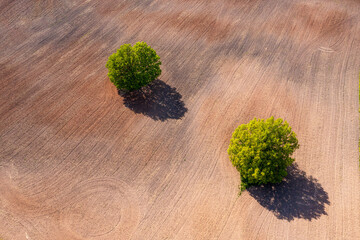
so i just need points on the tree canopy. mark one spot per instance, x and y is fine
(132, 67)
(261, 151)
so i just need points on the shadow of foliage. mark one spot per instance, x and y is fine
(298, 196)
(158, 101)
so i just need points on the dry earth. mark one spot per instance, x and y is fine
(80, 161)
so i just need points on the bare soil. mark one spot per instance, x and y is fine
(78, 160)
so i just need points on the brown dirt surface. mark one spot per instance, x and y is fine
(80, 161)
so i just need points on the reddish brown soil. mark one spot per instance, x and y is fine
(80, 161)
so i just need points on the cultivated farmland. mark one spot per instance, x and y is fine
(78, 160)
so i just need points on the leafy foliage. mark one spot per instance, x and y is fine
(131, 68)
(261, 151)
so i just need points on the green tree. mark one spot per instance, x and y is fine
(131, 68)
(261, 151)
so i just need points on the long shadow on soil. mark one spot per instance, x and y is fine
(298, 196)
(158, 101)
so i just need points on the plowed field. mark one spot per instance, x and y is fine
(80, 161)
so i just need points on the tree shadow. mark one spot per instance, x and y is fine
(158, 101)
(298, 196)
